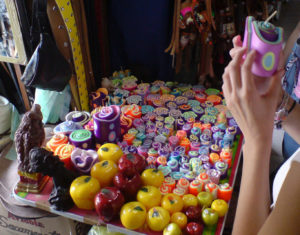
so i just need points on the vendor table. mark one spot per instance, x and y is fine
(90, 217)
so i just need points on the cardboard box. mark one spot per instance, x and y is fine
(11, 224)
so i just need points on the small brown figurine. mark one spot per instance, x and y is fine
(29, 134)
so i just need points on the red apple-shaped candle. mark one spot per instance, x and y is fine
(128, 185)
(193, 213)
(131, 163)
(108, 203)
(194, 228)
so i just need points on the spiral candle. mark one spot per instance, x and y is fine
(203, 177)
(56, 140)
(107, 124)
(222, 167)
(64, 153)
(212, 188)
(81, 139)
(225, 191)
(196, 187)
(170, 183)
(214, 175)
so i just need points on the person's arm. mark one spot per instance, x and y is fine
(292, 123)
(254, 113)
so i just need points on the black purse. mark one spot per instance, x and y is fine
(47, 68)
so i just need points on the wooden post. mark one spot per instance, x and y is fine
(22, 87)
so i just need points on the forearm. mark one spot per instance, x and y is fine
(292, 123)
(254, 198)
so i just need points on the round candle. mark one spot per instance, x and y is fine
(170, 183)
(214, 175)
(185, 142)
(177, 175)
(225, 191)
(164, 189)
(181, 134)
(195, 145)
(190, 176)
(179, 191)
(173, 164)
(213, 157)
(183, 183)
(81, 139)
(162, 160)
(196, 187)
(203, 177)
(212, 188)
(222, 167)
(56, 140)
(64, 153)
(128, 138)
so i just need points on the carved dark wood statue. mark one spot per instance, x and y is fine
(29, 134)
(45, 162)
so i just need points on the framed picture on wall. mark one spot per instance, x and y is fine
(12, 47)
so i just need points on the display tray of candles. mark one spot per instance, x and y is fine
(151, 158)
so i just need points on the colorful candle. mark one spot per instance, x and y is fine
(225, 191)
(81, 139)
(212, 188)
(56, 140)
(64, 153)
(213, 157)
(170, 183)
(196, 187)
(214, 175)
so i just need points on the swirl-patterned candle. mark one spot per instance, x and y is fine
(175, 155)
(212, 188)
(205, 140)
(196, 131)
(185, 142)
(180, 100)
(203, 150)
(179, 191)
(214, 175)
(64, 153)
(214, 148)
(164, 189)
(190, 176)
(175, 113)
(83, 160)
(184, 168)
(128, 138)
(183, 183)
(177, 175)
(161, 160)
(187, 128)
(226, 156)
(56, 140)
(225, 191)
(170, 183)
(142, 151)
(173, 164)
(107, 124)
(152, 152)
(180, 149)
(196, 187)
(204, 158)
(81, 139)
(195, 145)
(203, 177)
(215, 99)
(66, 127)
(222, 167)
(213, 157)
(193, 154)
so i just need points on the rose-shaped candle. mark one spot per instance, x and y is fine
(56, 140)
(83, 160)
(64, 153)
(107, 124)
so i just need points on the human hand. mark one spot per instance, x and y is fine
(253, 110)
(237, 44)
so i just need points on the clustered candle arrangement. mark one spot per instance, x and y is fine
(160, 157)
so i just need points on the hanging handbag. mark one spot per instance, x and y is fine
(47, 68)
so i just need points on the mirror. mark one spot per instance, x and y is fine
(12, 48)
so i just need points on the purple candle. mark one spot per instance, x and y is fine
(81, 139)
(214, 175)
(173, 164)
(195, 146)
(204, 158)
(222, 167)
(156, 145)
(184, 168)
(107, 124)
(173, 141)
(187, 128)
(83, 160)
